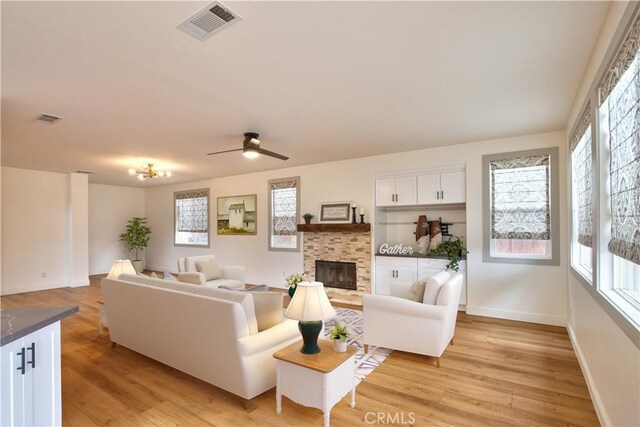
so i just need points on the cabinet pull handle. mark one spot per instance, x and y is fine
(22, 357)
(33, 355)
(438, 195)
(442, 194)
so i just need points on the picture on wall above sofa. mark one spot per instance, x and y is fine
(237, 214)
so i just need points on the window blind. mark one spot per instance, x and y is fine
(622, 61)
(284, 205)
(582, 153)
(192, 211)
(520, 198)
(624, 142)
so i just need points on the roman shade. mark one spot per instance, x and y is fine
(192, 211)
(582, 154)
(284, 203)
(622, 61)
(520, 198)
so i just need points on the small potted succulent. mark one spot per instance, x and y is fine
(339, 334)
(308, 217)
(292, 281)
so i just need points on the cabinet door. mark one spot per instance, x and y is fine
(406, 192)
(429, 189)
(385, 275)
(12, 385)
(47, 399)
(426, 272)
(385, 192)
(405, 276)
(452, 185)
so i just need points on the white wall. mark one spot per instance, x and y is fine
(38, 244)
(110, 207)
(609, 358)
(533, 293)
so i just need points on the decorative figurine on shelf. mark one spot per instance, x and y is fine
(422, 235)
(435, 232)
(353, 217)
(292, 281)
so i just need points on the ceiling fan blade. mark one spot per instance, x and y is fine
(225, 151)
(272, 154)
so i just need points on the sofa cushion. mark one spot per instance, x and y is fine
(227, 283)
(160, 283)
(432, 287)
(416, 291)
(268, 306)
(193, 278)
(209, 268)
(244, 299)
(190, 262)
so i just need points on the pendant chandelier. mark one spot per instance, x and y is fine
(147, 171)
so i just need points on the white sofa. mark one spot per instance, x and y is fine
(416, 327)
(232, 277)
(208, 333)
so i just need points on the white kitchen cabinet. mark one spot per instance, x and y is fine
(395, 275)
(439, 188)
(396, 191)
(31, 387)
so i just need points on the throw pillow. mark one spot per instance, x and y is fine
(169, 276)
(433, 285)
(268, 307)
(193, 278)
(209, 268)
(416, 291)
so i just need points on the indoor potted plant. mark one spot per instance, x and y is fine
(453, 249)
(339, 335)
(308, 217)
(136, 238)
(292, 281)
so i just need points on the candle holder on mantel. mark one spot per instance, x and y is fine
(353, 217)
(361, 218)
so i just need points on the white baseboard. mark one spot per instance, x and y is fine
(32, 288)
(517, 315)
(593, 391)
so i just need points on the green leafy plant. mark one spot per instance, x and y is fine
(453, 249)
(308, 216)
(339, 332)
(137, 235)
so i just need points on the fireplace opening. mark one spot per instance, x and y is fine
(334, 274)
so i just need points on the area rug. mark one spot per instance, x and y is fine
(365, 363)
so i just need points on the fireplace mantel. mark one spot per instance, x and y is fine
(335, 228)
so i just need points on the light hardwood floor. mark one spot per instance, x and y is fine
(497, 373)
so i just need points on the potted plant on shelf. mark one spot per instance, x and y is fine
(339, 334)
(308, 217)
(453, 249)
(136, 238)
(292, 281)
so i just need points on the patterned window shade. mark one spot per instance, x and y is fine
(581, 150)
(192, 212)
(622, 61)
(624, 136)
(520, 198)
(284, 205)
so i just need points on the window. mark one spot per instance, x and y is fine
(521, 199)
(284, 202)
(582, 197)
(619, 117)
(191, 223)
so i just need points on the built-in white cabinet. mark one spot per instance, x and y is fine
(396, 191)
(395, 275)
(438, 188)
(30, 387)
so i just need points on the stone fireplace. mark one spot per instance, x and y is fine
(340, 247)
(336, 274)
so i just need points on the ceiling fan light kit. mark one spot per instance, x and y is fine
(148, 172)
(251, 148)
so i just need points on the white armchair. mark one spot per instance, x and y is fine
(415, 327)
(232, 276)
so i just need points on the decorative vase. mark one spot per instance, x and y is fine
(292, 290)
(339, 346)
(307, 220)
(137, 266)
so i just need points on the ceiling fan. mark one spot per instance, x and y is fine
(251, 148)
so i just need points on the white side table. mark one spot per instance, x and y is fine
(315, 380)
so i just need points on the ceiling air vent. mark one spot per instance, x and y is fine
(47, 119)
(210, 20)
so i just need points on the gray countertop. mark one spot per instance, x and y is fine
(415, 255)
(17, 322)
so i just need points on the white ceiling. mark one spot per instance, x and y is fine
(320, 81)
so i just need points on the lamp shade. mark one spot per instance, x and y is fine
(309, 303)
(120, 266)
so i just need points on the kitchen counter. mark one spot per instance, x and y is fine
(16, 323)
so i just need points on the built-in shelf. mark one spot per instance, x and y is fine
(335, 228)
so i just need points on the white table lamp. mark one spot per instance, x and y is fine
(310, 306)
(121, 266)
